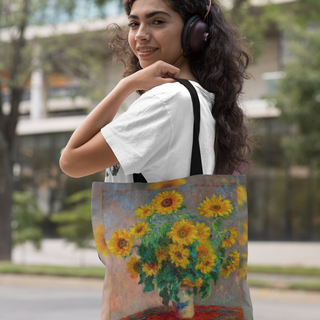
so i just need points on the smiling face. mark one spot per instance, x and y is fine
(155, 33)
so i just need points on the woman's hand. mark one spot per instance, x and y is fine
(154, 75)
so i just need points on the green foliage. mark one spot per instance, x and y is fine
(26, 220)
(75, 223)
(299, 90)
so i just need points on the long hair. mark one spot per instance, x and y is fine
(220, 68)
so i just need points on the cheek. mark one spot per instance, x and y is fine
(131, 41)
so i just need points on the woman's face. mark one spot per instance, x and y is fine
(155, 33)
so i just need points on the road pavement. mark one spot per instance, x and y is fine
(49, 298)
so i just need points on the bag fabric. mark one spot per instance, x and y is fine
(174, 249)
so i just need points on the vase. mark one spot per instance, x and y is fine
(184, 309)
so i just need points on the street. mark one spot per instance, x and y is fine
(48, 298)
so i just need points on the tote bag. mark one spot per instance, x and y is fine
(174, 249)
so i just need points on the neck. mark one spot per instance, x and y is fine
(185, 71)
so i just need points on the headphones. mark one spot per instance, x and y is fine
(194, 34)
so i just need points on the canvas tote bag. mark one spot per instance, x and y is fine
(174, 249)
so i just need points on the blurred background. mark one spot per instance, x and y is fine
(56, 65)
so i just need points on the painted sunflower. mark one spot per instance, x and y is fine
(166, 184)
(230, 264)
(162, 255)
(241, 195)
(203, 231)
(183, 232)
(205, 250)
(133, 267)
(206, 264)
(121, 243)
(187, 282)
(151, 269)
(179, 255)
(230, 236)
(139, 229)
(167, 202)
(100, 241)
(215, 207)
(243, 237)
(143, 212)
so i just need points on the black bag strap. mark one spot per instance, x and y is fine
(196, 163)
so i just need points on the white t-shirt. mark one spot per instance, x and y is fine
(154, 136)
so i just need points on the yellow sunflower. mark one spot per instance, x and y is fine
(162, 255)
(203, 231)
(243, 237)
(139, 229)
(206, 264)
(179, 255)
(121, 243)
(100, 241)
(187, 282)
(215, 207)
(183, 232)
(241, 195)
(166, 184)
(230, 264)
(143, 212)
(167, 202)
(133, 266)
(230, 236)
(205, 250)
(151, 269)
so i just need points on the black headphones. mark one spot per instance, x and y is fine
(194, 34)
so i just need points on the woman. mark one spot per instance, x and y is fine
(154, 136)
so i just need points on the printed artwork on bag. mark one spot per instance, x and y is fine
(171, 249)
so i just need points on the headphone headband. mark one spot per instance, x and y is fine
(208, 8)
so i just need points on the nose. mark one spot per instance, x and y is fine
(142, 34)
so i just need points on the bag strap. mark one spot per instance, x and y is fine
(196, 163)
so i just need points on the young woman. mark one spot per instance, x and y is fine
(154, 136)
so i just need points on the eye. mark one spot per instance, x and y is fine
(132, 24)
(158, 22)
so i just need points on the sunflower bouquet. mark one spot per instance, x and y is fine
(169, 247)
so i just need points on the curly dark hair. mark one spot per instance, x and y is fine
(220, 68)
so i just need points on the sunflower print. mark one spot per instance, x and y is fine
(100, 241)
(151, 269)
(121, 243)
(230, 264)
(179, 255)
(207, 263)
(167, 202)
(166, 184)
(183, 232)
(230, 236)
(205, 250)
(241, 195)
(188, 283)
(139, 229)
(215, 207)
(133, 267)
(162, 255)
(203, 231)
(143, 212)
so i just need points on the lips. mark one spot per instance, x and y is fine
(146, 51)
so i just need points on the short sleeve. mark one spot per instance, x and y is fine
(140, 137)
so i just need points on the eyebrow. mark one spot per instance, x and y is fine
(149, 15)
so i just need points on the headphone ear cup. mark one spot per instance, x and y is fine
(192, 37)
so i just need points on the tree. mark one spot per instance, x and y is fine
(299, 92)
(15, 69)
(26, 220)
(75, 222)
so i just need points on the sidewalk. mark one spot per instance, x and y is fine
(59, 252)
